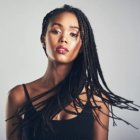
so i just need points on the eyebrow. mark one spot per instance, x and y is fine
(60, 25)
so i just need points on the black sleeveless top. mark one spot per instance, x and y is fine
(77, 128)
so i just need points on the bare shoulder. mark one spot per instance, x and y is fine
(104, 107)
(97, 100)
(16, 95)
(15, 100)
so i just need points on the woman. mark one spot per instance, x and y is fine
(68, 102)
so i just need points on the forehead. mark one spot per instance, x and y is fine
(65, 19)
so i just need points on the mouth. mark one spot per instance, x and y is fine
(61, 50)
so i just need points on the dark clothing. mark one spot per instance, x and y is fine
(78, 128)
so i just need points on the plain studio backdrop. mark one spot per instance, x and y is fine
(116, 26)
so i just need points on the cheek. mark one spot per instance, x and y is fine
(75, 50)
(77, 46)
(49, 41)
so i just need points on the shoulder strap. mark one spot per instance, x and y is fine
(26, 92)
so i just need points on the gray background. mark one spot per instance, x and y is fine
(116, 25)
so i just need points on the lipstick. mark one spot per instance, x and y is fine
(61, 50)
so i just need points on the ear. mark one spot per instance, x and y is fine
(43, 45)
(42, 39)
(44, 48)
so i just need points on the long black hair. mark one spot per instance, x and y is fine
(85, 73)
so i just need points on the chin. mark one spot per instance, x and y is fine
(62, 60)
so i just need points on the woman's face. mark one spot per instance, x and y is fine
(62, 40)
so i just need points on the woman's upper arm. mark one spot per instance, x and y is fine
(13, 103)
(100, 131)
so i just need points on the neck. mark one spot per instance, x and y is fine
(55, 73)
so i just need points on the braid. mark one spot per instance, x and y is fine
(85, 73)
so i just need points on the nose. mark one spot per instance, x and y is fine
(63, 39)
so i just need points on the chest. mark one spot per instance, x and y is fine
(68, 127)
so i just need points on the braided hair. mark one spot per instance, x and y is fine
(85, 73)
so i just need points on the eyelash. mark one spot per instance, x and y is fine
(75, 35)
(55, 31)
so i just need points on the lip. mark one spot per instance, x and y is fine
(61, 50)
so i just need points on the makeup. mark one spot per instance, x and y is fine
(61, 50)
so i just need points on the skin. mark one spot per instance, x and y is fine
(62, 30)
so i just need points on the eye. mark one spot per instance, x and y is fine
(75, 35)
(54, 31)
